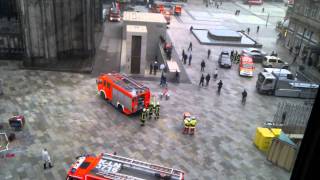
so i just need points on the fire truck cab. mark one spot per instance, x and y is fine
(126, 94)
(113, 167)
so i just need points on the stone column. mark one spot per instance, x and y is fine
(57, 29)
(38, 28)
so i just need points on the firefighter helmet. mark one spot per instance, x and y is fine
(144, 109)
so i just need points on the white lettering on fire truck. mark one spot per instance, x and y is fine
(106, 167)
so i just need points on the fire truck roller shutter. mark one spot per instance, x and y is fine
(121, 100)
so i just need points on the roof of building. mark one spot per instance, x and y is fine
(144, 17)
(134, 28)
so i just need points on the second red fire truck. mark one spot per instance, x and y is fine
(126, 94)
(113, 167)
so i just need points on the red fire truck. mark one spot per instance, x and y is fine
(128, 95)
(111, 167)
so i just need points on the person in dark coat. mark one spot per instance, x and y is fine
(208, 79)
(231, 55)
(203, 65)
(201, 80)
(155, 67)
(244, 96)
(190, 47)
(190, 59)
(185, 59)
(209, 52)
(183, 53)
(219, 86)
(151, 67)
(258, 28)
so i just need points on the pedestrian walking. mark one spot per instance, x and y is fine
(190, 59)
(244, 96)
(219, 86)
(283, 117)
(263, 9)
(46, 158)
(248, 30)
(231, 55)
(162, 80)
(162, 66)
(203, 65)
(201, 80)
(151, 68)
(209, 53)
(177, 76)
(185, 59)
(258, 28)
(191, 28)
(183, 54)
(190, 47)
(208, 79)
(238, 12)
(215, 75)
(155, 67)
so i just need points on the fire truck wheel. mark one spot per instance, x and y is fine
(102, 95)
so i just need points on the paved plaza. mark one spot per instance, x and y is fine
(65, 115)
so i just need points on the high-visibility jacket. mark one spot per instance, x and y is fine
(187, 122)
(193, 122)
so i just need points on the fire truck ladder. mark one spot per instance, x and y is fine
(144, 166)
(118, 176)
(132, 82)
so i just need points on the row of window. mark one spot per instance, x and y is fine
(309, 11)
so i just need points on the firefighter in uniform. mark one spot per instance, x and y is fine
(157, 110)
(143, 116)
(193, 124)
(151, 109)
(186, 122)
(147, 113)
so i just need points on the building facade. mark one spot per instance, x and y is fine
(303, 32)
(43, 31)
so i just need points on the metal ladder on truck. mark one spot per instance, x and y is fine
(156, 170)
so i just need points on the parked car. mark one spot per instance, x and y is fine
(274, 62)
(114, 14)
(224, 59)
(256, 54)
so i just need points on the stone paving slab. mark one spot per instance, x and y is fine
(69, 119)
